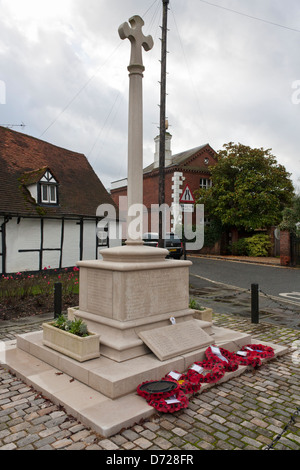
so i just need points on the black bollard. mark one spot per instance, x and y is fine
(254, 304)
(57, 299)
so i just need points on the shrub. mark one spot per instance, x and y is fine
(194, 304)
(23, 285)
(240, 247)
(258, 245)
(24, 294)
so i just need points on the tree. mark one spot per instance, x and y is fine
(250, 189)
(291, 217)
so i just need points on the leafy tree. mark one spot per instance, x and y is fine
(291, 217)
(250, 189)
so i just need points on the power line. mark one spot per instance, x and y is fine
(106, 121)
(195, 90)
(87, 83)
(79, 91)
(250, 16)
(155, 1)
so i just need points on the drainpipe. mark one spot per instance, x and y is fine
(3, 251)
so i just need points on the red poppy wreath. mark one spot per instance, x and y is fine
(221, 355)
(186, 385)
(171, 404)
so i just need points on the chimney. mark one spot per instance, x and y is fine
(168, 151)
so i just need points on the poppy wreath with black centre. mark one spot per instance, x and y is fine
(161, 405)
(229, 365)
(188, 387)
(157, 395)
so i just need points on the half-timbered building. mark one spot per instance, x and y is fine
(48, 204)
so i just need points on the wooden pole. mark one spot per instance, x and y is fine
(162, 142)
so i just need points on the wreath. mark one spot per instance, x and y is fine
(169, 394)
(247, 359)
(258, 350)
(187, 386)
(217, 371)
(144, 390)
(226, 358)
(166, 405)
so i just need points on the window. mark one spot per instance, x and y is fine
(205, 183)
(48, 193)
(48, 189)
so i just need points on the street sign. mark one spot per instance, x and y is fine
(187, 196)
(187, 207)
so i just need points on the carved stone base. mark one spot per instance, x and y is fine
(134, 288)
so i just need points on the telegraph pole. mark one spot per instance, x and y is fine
(162, 142)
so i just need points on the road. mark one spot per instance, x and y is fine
(281, 282)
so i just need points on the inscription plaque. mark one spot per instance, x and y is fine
(99, 292)
(171, 341)
(154, 293)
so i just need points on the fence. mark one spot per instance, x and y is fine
(295, 250)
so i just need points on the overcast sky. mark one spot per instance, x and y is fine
(233, 75)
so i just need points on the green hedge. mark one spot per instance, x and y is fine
(257, 245)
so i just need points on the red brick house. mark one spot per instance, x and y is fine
(48, 202)
(190, 167)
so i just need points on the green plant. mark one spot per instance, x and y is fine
(212, 232)
(258, 245)
(250, 189)
(194, 304)
(76, 327)
(20, 286)
(240, 247)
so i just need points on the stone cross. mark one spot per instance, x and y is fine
(135, 119)
(137, 39)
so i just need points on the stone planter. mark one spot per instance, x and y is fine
(204, 315)
(76, 347)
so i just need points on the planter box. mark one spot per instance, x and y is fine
(80, 349)
(205, 314)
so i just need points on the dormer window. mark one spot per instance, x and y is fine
(42, 186)
(48, 189)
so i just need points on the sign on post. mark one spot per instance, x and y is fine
(187, 200)
(187, 196)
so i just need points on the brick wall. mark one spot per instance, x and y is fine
(193, 169)
(285, 248)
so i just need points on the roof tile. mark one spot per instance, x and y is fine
(80, 190)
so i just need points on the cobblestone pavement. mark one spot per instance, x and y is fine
(259, 410)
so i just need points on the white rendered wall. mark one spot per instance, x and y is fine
(71, 252)
(26, 235)
(52, 239)
(23, 236)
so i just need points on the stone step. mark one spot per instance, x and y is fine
(95, 410)
(114, 379)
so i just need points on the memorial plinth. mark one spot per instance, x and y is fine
(133, 289)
